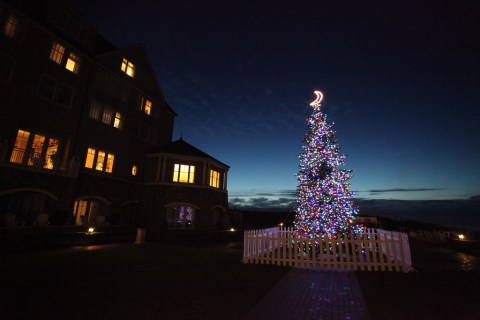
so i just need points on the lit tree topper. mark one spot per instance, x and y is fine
(316, 104)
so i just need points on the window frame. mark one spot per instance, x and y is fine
(42, 156)
(215, 178)
(128, 67)
(91, 162)
(181, 170)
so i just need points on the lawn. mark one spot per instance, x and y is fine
(126, 281)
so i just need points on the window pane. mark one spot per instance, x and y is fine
(107, 115)
(73, 63)
(35, 156)
(191, 176)
(148, 106)
(10, 27)
(109, 165)
(47, 87)
(20, 146)
(183, 173)
(214, 179)
(118, 120)
(175, 172)
(128, 67)
(65, 95)
(57, 52)
(90, 158)
(100, 160)
(95, 109)
(51, 155)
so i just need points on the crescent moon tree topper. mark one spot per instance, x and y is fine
(316, 104)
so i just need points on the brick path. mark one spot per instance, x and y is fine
(308, 295)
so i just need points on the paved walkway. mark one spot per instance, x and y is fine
(308, 295)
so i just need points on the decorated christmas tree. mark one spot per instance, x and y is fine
(324, 205)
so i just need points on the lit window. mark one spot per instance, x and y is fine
(20, 146)
(90, 158)
(35, 155)
(57, 52)
(214, 179)
(145, 105)
(134, 170)
(128, 67)
(41, 151)
(100, 160)
(95, 110)
(73, 63)
(118, 122)
(107, 115)
(109, 165)
(183, 173)
(51, 154)
(10, 27)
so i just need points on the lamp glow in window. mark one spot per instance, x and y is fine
(134, 170)
(36, 151)
(73, 63)
(20, 146)
(90, 158)
(146, 105)
(214, 179)
(109, 166)
(57, 52)
(128, 67)
(100, 160)
(183, 173)
(117, 123)
(51, 154)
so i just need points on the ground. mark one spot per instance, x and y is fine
(161, 281)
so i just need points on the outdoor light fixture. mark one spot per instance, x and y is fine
(461, 237)
(232, 229)
(91, 230)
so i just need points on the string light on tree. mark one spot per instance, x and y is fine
(324, 203)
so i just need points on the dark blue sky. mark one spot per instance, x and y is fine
(401, 82)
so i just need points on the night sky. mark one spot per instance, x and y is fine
(401, 82)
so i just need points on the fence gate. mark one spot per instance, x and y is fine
(373, 250)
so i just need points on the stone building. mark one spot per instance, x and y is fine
(86, 133)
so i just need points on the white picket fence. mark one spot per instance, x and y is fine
(374, 250)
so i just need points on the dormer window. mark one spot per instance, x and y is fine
(128, 67)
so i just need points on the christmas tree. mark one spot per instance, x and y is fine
(324, 205)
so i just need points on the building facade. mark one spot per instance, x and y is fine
(82, 126)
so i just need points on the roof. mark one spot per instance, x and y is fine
(181, 147)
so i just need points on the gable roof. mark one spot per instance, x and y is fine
(180, 147)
